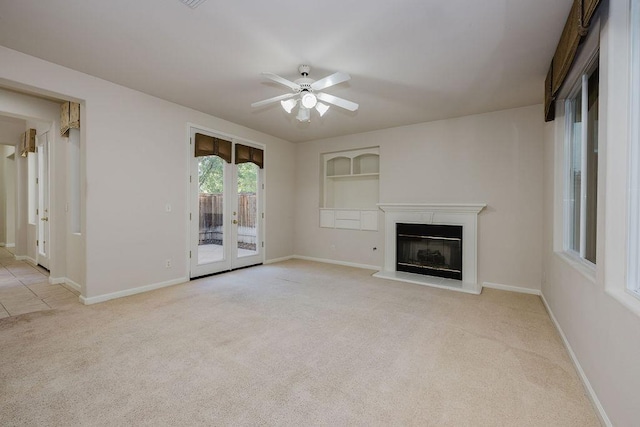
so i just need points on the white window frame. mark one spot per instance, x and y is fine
(633, 262)
(580, 87)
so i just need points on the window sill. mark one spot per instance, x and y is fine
(625, 297)
(588, 270)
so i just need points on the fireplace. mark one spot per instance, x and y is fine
(444, 255)
(430, 249)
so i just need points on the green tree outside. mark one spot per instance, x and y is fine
(210, 176)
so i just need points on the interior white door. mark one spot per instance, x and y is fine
(43, 200)
(226, 210)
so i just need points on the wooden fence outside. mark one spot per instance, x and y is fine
(211, 219)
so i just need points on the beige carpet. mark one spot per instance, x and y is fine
(294, 343)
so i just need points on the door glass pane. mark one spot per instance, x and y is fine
(575, 171)
(247, 209)
(210, 208)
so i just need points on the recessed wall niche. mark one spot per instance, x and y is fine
(350, 188)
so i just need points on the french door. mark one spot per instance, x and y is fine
(226, 204)
(42, 216)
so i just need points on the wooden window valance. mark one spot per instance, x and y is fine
(69, 117)
(27, 142)
(246, 154)
(206, 145)
(575, 29)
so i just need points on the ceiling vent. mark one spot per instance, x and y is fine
(192, 3)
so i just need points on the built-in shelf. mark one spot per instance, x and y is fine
(350, 189)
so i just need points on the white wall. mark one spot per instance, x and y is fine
(136, 162)
(600, 321)
(493, 158)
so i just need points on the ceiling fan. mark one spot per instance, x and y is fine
(306, 93)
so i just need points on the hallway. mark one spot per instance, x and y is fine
(25, 289)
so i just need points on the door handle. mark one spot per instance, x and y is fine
(44, 218)
(235, 221)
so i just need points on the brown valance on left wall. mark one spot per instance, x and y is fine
(27, 142)
(575, 29)
(69, 117)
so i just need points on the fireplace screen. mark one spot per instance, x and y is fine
(434, 250)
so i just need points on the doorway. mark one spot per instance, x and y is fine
(226, 192)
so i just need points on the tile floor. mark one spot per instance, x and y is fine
(25, 288)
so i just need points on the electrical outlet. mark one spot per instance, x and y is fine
(167, 263)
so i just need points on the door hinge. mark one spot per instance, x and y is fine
(263, 186)
(262, 215)
(189, 254)
(37, 212)
(37, 243)
(189, 216)
(263, 244)
(37, 180)
(189, 178)
(190, 141)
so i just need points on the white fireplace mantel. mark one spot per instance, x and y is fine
(463, 214)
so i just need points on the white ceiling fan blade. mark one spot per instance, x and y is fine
(282, 81)
(342, 103)
(331, 80)
(274, 99)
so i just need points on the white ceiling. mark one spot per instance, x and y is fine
(411, 61)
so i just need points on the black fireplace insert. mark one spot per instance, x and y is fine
(430, 249)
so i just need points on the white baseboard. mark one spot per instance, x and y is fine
(332, 261)
(511, 288)
(128, 292)
(273, 261)
(56, 280)
(10, 245)
(604, 419)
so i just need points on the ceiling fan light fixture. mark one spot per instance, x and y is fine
(304, 115)
(288, 104)
(321, 108)
(309, 100)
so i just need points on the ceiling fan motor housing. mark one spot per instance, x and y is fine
(305, 84)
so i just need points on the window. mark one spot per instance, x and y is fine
(581, 166)
(633, 276)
